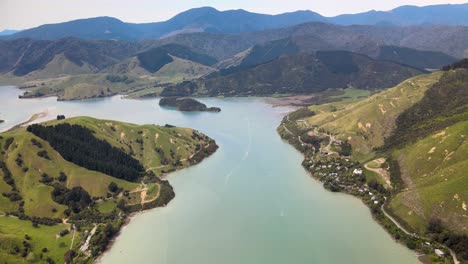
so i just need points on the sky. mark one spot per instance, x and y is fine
(23, 14)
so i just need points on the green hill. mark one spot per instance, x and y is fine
(46, 189)
(366, 123)
(410, 141)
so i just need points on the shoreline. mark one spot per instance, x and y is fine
(130, 216)
(128, 219)
(31, 119)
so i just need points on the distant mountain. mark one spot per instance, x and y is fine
(262, 53)
(409, 15)
(208, 19)
(415, 58)
(7, 32)
(451, 40)
(90, 28)
(205, 19)
(23, 56)
(300, 74)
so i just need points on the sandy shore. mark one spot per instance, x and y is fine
(33, 118)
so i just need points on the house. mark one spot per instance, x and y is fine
(357, 171)
(439, 252)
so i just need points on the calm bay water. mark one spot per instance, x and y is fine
(251, 202)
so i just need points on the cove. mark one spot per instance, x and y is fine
(251, 202)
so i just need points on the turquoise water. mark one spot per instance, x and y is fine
(251, 202)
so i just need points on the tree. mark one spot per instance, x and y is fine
(113, 187)
(435, 225)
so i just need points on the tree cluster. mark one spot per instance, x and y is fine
(462, 64)
(78, 145)
(457, 242)
(75, 198)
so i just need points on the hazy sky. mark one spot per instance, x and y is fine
(22, 14)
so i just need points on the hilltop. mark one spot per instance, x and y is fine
(58, 197)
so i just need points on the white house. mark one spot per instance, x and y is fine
(439, 252)
(357, 171)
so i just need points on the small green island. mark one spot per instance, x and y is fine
(187, 105)
(69, 185)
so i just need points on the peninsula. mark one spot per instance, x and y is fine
(70, 184)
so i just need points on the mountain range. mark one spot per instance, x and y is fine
(208, 19)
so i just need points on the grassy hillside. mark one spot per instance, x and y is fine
(366, 123)
(410, 142)
(434, 172)
(33, 172)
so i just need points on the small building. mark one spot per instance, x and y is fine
(439, 252)
(357, 171)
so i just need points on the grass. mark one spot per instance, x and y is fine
(437, 166)
(367, 122)
(106, 206)
(13, 231)
(153, 191)
(352, 94)
(370, 175)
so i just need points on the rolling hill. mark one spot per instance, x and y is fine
(44, 183)
(300, 74)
